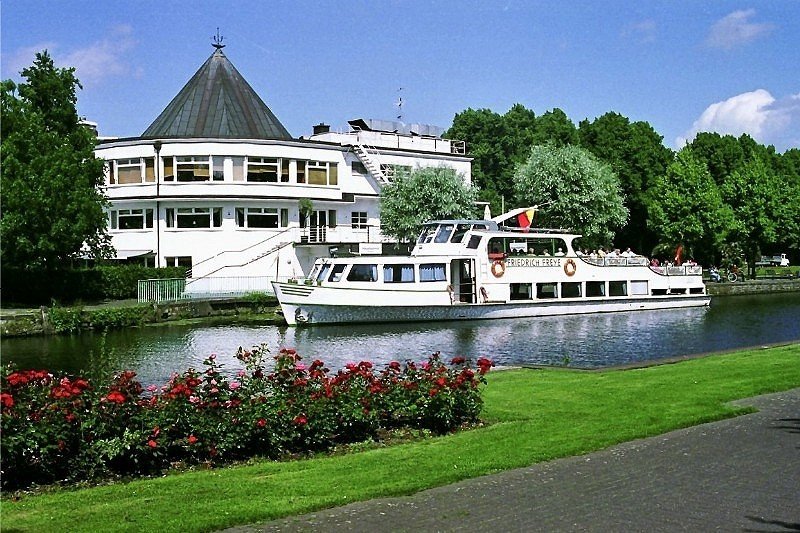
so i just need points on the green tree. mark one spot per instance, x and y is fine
(722, 154)
(555, 128)
(754, 193)
(491, 146)
(687, 208)
(52, 202)
(430, 193)
(575, 191)
(638, 156)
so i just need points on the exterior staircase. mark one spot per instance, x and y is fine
(371, 163)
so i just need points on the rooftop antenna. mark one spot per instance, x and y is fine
(217, 40)
(399, 104)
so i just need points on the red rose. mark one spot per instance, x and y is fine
(261, 422)
(192, 439)
(301, 420)
(116, 397)
(7, 400)
(152, 443)
(458, 360)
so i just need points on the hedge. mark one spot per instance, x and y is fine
(102, 282)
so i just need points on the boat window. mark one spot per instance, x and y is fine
(363, 273)
(336, 274)
(521, 291)
(398, 273)
(474, 241)
(571, 290)
(443, 235)
(480, 226)
(427, 234)
(458, 234)
(547, 290)
(617, 288)
(323, 271)
(432, 272)
(595, 288)
(639, 288)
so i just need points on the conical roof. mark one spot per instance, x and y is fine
(217, 103)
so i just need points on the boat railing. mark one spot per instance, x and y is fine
(682, 270)
(637, 260)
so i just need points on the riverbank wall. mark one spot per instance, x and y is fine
(759, 286)
(130, 313)
(48, 321)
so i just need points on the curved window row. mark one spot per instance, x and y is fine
(206, 168)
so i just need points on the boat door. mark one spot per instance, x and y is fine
(462, 274)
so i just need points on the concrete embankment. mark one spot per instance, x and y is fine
(21, 322)
(46, 320)
(758, 286)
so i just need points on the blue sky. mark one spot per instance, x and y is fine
(683, 66)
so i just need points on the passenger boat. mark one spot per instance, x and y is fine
(482, 269)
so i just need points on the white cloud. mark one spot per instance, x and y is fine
(735, 30)
(102, 59)
(93, 63)
(757, 113)
(21, 58)
(644, 31)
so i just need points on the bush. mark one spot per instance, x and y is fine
(103, 282)
(72, 319)
(66, 428)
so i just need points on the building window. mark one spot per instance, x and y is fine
(179, 261)
(261, 217)
(194, 217)
(301, 170)
(432, 272)
(135, 170)
(191, 168)
(398, 273)
(320, 173)
(131, 219)
(359, 168)
(265, 170)
(358, 219)
(395, 171)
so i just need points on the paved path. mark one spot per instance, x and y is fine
(740, 474)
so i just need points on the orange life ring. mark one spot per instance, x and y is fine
(498, 268)
(570, 267)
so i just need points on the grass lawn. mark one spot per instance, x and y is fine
(532, 415)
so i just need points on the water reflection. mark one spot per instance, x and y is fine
(585, 341)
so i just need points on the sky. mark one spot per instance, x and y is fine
(684, 66)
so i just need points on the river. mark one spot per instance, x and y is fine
(583, 341)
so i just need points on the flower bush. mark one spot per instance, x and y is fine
(64, 428)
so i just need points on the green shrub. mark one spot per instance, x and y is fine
(103, 282)
(66, 319)
(68, 428)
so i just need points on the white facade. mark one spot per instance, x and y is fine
(229, 207)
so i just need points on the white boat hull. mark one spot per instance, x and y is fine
(298, 309)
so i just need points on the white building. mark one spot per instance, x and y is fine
(215, 183)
